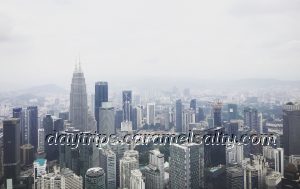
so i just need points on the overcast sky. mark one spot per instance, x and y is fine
(226, 39)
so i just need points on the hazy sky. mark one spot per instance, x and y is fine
(226, 39)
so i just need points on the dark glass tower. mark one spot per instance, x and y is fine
(11, 148)
(20, 114)
(101, 95)
(232, 112)
(127, 105)
(118, 119)
(291, 129)
(178, 120)
(52, 125)
(217, 114)
(32, 113)
(200, 115)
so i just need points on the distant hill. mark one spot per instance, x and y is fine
(34, 92)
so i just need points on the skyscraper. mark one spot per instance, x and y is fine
(137, 180)
(178, 118)
(118, 118)
(106, 119)
(186, 167)
(108, 162)
(193, 105)
(127, 105)
(151, 113)
(279, 160)
(119, 150)
(217, 114)
(200, 116)
(251, 119)
(32, 113)
(127, 164)
(235, 177)
(232, 112)
(101, 95)
(51, 125)
(11, 148)
(78, 100)
(154, 172)
(95, 178)
(291, 129)
(20, 114)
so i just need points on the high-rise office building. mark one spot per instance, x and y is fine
(26, 154)
(232, 112)
(255, 171)
(51, 181)
(232, 128)
(291, 129)
(279, 160)
(214, 155)
(200, 116)
(251, 119)
(21, 115)
(217, 114)
(32, 113)
(65, 179)
(119, 150)
(137, 180)
(41, 139)
(118, 119)
(154, 172)
(11, 149)
(178, 118)
(186, 167)
(95, 178)
(127, 105)
(151, 113)
(101, 95)
(64, 116)
(106, 119)
(78, 101)
(72, 181)
(68, 155)
(193, 105)
(108, 162)
(52, 125)
(235, 177)
(137, 122)
(127, 164)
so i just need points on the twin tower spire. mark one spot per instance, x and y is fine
(78, 66)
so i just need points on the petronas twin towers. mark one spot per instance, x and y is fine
(78, 100)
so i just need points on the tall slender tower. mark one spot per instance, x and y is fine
(101, 95)
(78, 100)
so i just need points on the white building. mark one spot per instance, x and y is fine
(107, 119)
(72, 181)
(137, 180)
(127, 164)
(255, 172)
(41, 140)
(279, 160)
(66, 179)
